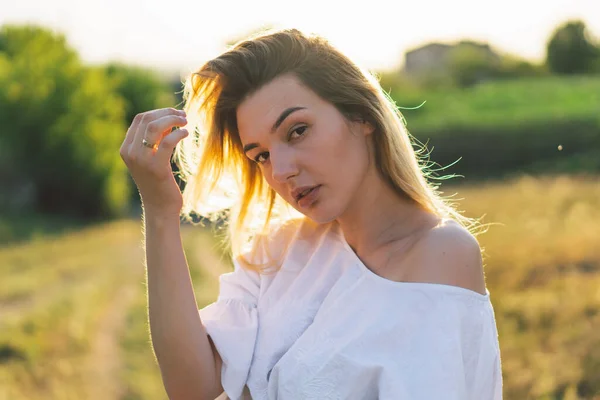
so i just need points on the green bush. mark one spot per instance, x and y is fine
(63, 124)
(496, 150)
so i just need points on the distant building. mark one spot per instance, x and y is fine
(433, 57)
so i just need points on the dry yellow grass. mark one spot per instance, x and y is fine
(73, 321)
(543, 272)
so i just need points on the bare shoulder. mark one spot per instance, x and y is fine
(448, 254)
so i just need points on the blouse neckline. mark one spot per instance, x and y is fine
(417, 285)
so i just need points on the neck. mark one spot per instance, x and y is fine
(377, 216)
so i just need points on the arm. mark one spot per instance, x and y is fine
(189, 363)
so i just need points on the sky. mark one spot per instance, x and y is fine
(180, 35)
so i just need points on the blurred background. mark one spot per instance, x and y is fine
(512, 108)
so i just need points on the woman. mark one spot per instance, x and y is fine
(353, 278)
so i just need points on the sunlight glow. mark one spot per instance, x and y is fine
(183, 34)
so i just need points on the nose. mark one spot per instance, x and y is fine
(283, 165)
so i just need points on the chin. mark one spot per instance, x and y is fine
(319, 214)
(319, 221)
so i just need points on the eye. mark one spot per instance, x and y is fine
(257, 158)
(300, 130)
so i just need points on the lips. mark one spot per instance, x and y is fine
(300, 192)
(307, 191)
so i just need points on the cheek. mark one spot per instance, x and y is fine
(273, 184)
(280, 188)
(347, 153)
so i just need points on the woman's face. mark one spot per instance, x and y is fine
(300, 140)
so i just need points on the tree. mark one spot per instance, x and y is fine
(63, 124)
(571, 50)
(141, 89)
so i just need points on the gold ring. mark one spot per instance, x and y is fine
(148, 144)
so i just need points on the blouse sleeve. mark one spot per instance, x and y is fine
(232, 324)
(450, 352)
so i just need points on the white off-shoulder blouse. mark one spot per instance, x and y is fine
(326, 327)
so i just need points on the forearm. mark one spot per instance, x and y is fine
(180, 341)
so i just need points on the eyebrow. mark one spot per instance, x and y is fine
(276, 125)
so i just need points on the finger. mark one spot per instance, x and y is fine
(161, 112)
(169, 142)
(129, 137)
(151, 116)
(156, 129)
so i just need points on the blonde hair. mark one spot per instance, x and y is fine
(221, 182)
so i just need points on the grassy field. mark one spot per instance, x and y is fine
(502, 103)
(73, 317)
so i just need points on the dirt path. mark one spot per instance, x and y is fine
(104, 361)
